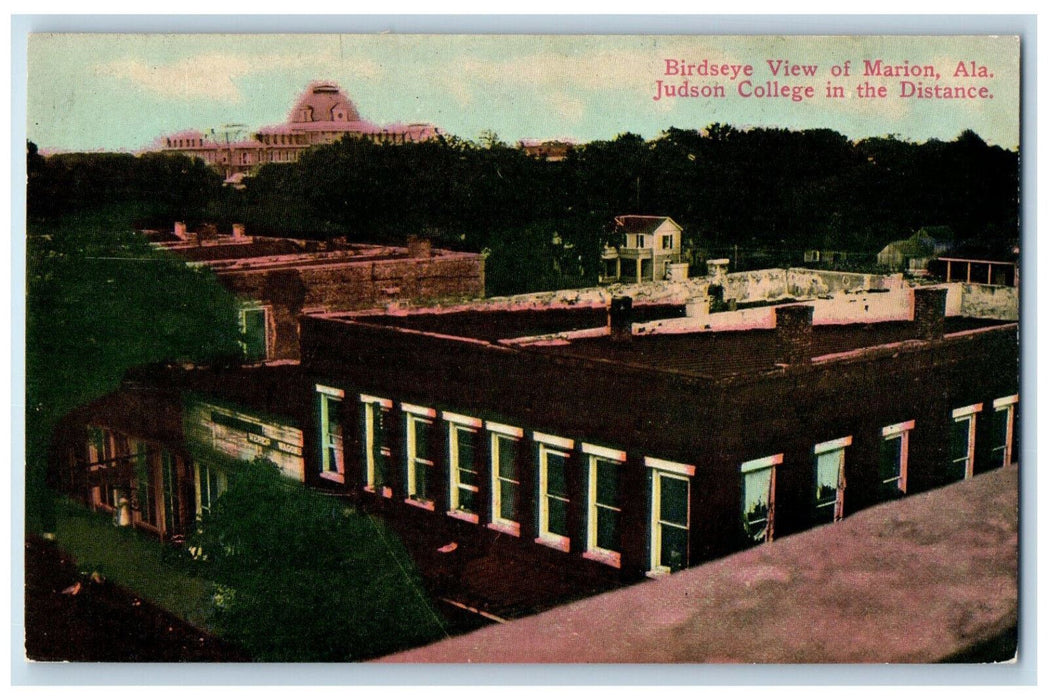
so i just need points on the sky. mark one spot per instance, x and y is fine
(121, 91)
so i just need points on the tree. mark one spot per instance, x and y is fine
(304, 577)
(99, 301)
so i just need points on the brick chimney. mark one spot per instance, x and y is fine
(793, 334)
(419, 247)
(238, 231)
(620, 319)
(180, 230)
(929, 312)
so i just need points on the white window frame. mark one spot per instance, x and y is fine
(370, 405)
(901, 431)
(413, 416)
(500, 431)
(551, 445)
(673, 470)
(327, 396)
(1007, 404)
(960, 415)
(457, 423)
(595, 454)
(838, 445)
(756, 465)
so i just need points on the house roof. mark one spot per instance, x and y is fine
(636, 223)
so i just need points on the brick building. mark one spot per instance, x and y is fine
(277, 279)
(564, 451)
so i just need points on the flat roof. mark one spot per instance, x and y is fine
(707, 354)
(228, 253)
(727, 353)
(501, 324)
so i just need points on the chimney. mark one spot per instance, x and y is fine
(620, 319)
(419, 247)
(929, 312)
(238, 231)
(718, 267)
(793, 334)
(698, 306)
(180, 230)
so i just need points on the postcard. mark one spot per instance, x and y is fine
(409, 348)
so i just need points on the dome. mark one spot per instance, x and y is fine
(323, 102)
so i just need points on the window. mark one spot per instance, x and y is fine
(895, 454)
(1003, 430)
(253, 329)
(962, 442)
(670, 515)
(603, 529)
(376, 444)
(829, 480)
(331, 454)
(172, 506)
(100, 454)
(667, 242)
(553, 490)
(419, 440)
(144, 485)
(463, 434)
(505, 480)
(758, 497)
(210, 484)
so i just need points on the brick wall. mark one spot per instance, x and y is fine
(352, 286)
(714, 425)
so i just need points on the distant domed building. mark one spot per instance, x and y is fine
(323, 114)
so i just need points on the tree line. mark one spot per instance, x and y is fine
(543, 222)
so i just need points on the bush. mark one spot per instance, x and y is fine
(304, 577)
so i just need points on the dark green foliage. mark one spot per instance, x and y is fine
(99, 301)
(164, 186)
(303, 577)
(761, 189)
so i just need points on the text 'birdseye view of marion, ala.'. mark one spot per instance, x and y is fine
(632, 349)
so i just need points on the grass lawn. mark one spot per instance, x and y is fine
(133, 560)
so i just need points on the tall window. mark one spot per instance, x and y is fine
(464, 496)
(376, 444)
(895, 456)
(670, 514)
(172, 505)
(210, 484)
(144, 485)
(1003, 430)
(331, 454)
(100, 454)
(758, 497)
(962, 442)
(829, 479)
(505, 481)
(553, 490)
(253, 329)
(419, 454)
(604, 511)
